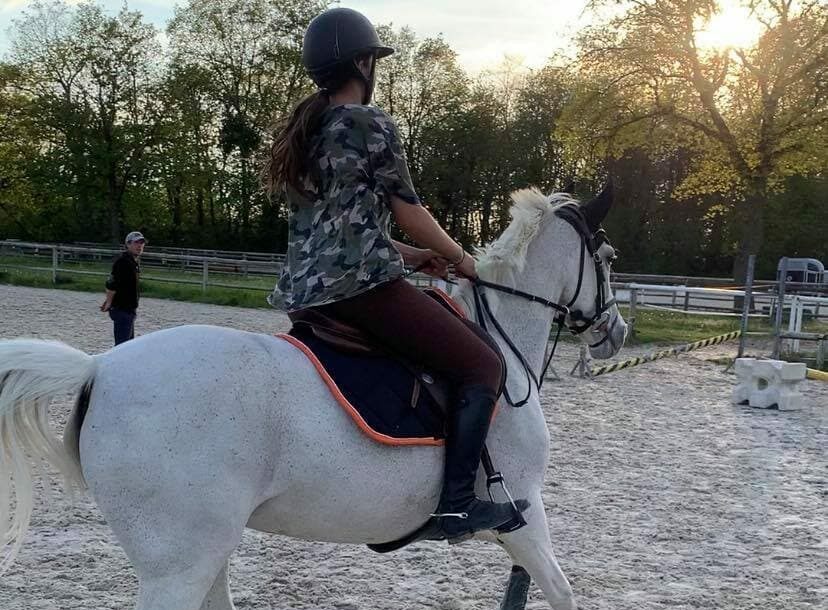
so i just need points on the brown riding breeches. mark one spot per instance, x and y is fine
(411, 323)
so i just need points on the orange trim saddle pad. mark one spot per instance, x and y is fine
(381, 437)
(391, 402)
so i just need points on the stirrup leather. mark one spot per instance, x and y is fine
(494, 477)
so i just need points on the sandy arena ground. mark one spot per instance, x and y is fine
(660, 494)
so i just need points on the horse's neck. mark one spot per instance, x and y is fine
(528, 324)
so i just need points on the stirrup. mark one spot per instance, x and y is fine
(464, 530)
(517, 521)
(455, 515)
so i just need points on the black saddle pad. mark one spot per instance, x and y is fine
(382, 391)
(394, 402)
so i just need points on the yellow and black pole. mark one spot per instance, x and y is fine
(673, 351)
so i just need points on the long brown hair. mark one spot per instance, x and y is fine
(290, 150)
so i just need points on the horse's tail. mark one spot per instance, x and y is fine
(32, 372)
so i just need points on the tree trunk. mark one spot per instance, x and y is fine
(245, 201)
(485, 222)
(751, 216)
(200, 209)
(211, 199)
(114, 205)
(174, 197)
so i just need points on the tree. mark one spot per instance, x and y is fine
(93, 89)
(537, 147)
(420, 85)
(251, 50)
(754, 115)
(17, 214)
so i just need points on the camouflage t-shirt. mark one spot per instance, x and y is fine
(338, 229)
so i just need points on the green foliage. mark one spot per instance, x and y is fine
(712, 152)
(752, 116)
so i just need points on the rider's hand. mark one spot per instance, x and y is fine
(429, 262)
(466, 267)
(437, 267)
(106, 306)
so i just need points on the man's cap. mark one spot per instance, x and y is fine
(135, 236)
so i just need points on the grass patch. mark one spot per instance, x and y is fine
(669, 327)
(245, 292)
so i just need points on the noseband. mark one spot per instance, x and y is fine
(578, 321)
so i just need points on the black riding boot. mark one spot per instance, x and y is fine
(460, 511)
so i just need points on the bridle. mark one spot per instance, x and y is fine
(578, 323)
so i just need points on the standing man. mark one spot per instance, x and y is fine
(122, 289)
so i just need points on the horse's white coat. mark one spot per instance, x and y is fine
(196, 432)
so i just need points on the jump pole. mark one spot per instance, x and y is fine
(673, 351)
(816, 375)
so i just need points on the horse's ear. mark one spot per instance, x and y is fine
(596, 210)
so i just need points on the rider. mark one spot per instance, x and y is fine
(341, 164)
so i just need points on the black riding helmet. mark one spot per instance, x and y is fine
(333, 41)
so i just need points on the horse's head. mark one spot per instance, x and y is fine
(594, 315)
(555, 255)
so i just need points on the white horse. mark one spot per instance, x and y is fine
(218, 430)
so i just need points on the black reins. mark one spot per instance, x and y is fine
(580, 323)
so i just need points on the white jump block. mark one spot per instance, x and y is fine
(768, 383)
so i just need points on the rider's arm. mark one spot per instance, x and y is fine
(409, 253)
(390, 170)
(420, 225)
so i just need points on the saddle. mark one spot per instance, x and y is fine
(392, 399)
(317, 329)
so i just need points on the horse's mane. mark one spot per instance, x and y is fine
(504, 258)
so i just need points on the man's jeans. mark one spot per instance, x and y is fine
(124, 324)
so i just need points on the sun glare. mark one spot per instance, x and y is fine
(733, 26)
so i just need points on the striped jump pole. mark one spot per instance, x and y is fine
(673, 351)
(816, 374)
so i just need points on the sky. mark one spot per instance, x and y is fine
(482, 32)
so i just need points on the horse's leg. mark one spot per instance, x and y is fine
(179, 544)
(219, 596)
(517, 590)
(189, 589)
(531, 548)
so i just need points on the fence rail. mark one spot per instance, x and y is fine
(192, 269)
(202, 252)
(712, 301)
(220, 268)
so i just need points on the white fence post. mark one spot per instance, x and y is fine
(54, 264)
(205, 274)
(795, 323)
(746, 306)
(633, 309)
(780, 307)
